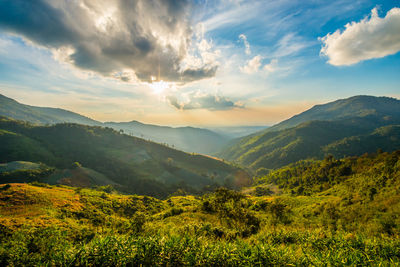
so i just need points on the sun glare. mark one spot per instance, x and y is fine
(159, 87)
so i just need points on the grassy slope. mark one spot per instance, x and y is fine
(138, 165)
(64, 225)
(340, 224)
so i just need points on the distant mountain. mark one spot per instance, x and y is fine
(237, 131)
(40, 115)
(138, 166)
(356, 106)
(343, 128)
(188, 139)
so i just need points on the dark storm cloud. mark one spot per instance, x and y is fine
(197, 74)
(206, 101)
(142, 36)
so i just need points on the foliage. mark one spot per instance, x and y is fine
(364, 175)
(348, 127)
(132, 164)
(63, 226)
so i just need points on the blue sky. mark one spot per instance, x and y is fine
(198, 63)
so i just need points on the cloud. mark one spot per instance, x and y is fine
(124, 39)
(246, 44)
(252, 66)
(290, 44)
(272, 66)
(372, 37)
(202, 101)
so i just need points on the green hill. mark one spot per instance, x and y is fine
(137, 165)
(364, 132)
(330, 213)
(356, 106)
(364, 175)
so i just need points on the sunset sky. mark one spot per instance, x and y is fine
(200, 63)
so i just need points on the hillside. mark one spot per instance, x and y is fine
(356, 106)
(346, 214)
(188, 139)
(137, 165)
(40, 115)
(316, 138)
(363, 175)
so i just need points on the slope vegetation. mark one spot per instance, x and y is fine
(367, 131)
(356, 106)
(137, 165)
(347, 214)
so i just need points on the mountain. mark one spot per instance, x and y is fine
(356, 106)
(40, 115)
(374, 125)
(237, 131)
(188, 139)
(138, 166)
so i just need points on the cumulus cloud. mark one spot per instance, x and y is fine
(124, 39)
(372, 37)
(202, 101)
(246, 44)
(252, 66)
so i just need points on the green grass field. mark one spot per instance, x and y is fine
(65, 226)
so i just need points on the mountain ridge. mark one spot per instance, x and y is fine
(139, 166)
(280, 145)
(329, 111)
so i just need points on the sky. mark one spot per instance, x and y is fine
(200, 62)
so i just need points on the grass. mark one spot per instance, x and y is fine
(64, 226)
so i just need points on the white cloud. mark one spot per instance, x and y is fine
(246, 44)
(372, 37)
(252, 66)
(110, 37)
(272, 66)
(290, 44)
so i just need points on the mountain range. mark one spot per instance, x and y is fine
(189, 139)
(341, 128)
(345, 127)
(132, 164)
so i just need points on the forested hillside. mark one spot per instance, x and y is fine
(356, 106)
(345, 214)
(138, 166)
(368, 130)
